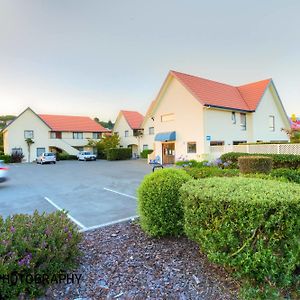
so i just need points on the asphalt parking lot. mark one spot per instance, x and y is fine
(93, 193)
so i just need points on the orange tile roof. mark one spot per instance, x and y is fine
(133, 118)
(72, 123)
(212, 93)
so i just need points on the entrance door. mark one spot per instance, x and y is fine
(168, 153)
(39, 151)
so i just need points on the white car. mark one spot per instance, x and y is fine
(3, 171)
(86, 155)
(46, 157)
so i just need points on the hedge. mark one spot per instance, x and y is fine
(205, 172)
(144, 153)
(119, 153)
(255, 164)
(160, 211)
(279, 160)
(36, 245)
(250, 225)
(290, 175)
(5, 158)
(65, 156)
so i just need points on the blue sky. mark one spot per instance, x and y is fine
(97, 57)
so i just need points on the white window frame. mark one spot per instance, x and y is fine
(28, 134)
(233, 117)
(272, 123)
(188, 144)
(145, 147)
(151, 130)
(96, 135)
(243, 119)
(167, 117)
(78, 135)
(126, 133)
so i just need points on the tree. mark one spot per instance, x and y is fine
(29, 142)
(107, 142)
(293, 134)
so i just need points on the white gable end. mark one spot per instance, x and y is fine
(268, 108)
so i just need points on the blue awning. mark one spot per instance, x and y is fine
(165, 136)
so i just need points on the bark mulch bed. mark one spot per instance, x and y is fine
(122, 262)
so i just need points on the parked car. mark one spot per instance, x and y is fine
(86, 155)
(46, 157)
(3, 171)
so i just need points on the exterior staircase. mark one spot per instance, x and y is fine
(65, 146)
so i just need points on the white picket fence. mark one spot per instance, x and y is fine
(217, 151)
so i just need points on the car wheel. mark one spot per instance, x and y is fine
(54, 162)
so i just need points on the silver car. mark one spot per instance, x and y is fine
(3, 171)
(86, 155)
(46, 157)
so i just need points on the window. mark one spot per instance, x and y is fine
(151, 130)
(233, 117)
(217, 143)
(167, 117)
(145, 147)
(238, 142)
(191, 147)
(271, 123)
(126, 133)
(55, 135)
(77, 135)
(16, 151)
(39, 151)
(96, 135)
(28, 134)
(243, 121)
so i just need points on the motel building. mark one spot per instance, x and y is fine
(191, 115)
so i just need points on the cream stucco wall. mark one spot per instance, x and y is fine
(14, 137)
(188, 122)
(14, 134)
(120, 127)
(219, 126)
(193, 122)
(269, 105)
(148, 139)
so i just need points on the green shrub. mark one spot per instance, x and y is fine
(191, 163)
(289, 174)
(205, 172)
(289, 161)
(264, 176)
(144, 153)
(255, 164)
(65, 156)
(119, 153)
(16, 157)
(39, 245)
(5, 158)
(160, 210)
(250, 225)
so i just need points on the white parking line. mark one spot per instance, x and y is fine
(108, 223)
(116, 192)
(70, 217)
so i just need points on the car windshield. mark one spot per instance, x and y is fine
(87, 153)
(49, 154)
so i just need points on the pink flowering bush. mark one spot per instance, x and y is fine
(35, 245)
